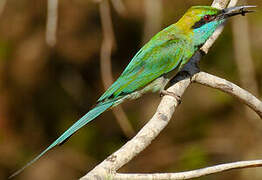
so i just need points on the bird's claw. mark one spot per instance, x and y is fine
(177, 97)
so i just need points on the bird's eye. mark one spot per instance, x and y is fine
(207, 17)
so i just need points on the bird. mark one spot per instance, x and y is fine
(156, 63)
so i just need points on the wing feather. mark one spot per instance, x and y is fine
(156, 58)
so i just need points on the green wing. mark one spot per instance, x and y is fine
(159, 56)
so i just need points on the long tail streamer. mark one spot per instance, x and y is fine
(92, 114)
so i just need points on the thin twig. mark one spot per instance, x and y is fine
(2, 6)
(190, 174)
(51, 24)
(153, 18)
(119, 7)
(105, 63)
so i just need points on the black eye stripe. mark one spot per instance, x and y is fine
(199, 23)
(202, 21)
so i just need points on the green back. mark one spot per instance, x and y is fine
(163, 53)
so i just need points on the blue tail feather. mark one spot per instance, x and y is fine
(92, 114)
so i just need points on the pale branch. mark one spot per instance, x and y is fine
(232, 3)
(153, 18)
(51, 22)
(190, 174)
(220, 4)
(107, 169)
(119, 7)
(2, 6)
(230, 88)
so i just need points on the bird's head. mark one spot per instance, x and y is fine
(199, 22)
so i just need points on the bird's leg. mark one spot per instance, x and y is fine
(177, 97)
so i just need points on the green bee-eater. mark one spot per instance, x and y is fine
(156, 62)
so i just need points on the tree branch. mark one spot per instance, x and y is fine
(2, 6)
(153, 18)
(107, 169)
(119, 7)
(190, 174)
(51, 23)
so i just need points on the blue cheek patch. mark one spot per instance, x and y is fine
(202, 33)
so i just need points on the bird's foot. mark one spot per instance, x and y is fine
(177, 97)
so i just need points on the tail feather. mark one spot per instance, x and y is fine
(92, 114)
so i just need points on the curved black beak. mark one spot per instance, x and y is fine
(232, 11)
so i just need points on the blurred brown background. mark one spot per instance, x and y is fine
(44, 89)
